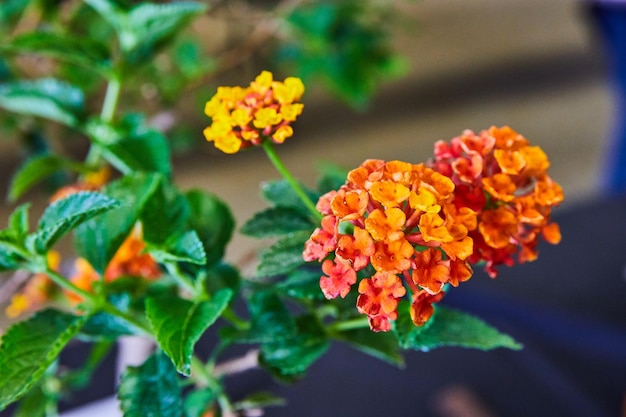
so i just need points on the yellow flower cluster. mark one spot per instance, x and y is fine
(243, 117)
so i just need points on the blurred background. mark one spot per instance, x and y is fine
(537, 66)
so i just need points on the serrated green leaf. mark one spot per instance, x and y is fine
(145, 151)
(381, 345)
(147, 27)
(277, 221)
(109, 11)
(454, 328)
(64, 215)
(212, 219)
(29, 347)
(37, 169)
(178, 324)
(303, 284)
(71, 49)
(290, 358)
(283, 256)
(166, 214)
(18, 222)
(107, 327)
(281, 193)
(185, 248)
(98, 240)
(269, 318)
(10, 257)
(33, 404)
(151, 389)
(197, 402)
(221, 276)
(46, 97)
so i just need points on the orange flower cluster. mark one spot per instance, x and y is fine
(243, 117)
(93, 181)
(504, 179)
(397, 222)
(129, 261)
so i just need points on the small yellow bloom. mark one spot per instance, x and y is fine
(290, 112)
(266, 117)
(283, 133)
(19, 304)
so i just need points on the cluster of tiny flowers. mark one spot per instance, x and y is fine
(130, 260)
(500, 176)
(243, 117)
(396, 222)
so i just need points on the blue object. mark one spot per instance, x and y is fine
(610, 19)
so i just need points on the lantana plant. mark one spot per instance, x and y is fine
(364, 258)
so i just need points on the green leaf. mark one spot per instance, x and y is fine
(148, 25)
(381, 345)
(284, 256)
(166, 214)
(97, 240)
(18, 222)
(197, 402)
(10, 255)
(144, 29)
(46, 97)
(281, 193)
(71, 49)
(454, 328)
(146, 151)
(345, 45)
(105, 326)
(151, 389)
(29, 347)
(290, 358)
(33, 404)
(212, 219)
(277, 221)
(332, 177)
(303, 284)
(185, 248)
(37, 169)
(178, 324)
(269, 317)
(64, 215)
(221, 276)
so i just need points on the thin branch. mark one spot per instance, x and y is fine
(234, 366)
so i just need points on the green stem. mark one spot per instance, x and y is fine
(104, 305)
(64, 283)
(110, 99)
(107, 114)
(200, 372)
(282, 169)
(355, 323)
(182, 280)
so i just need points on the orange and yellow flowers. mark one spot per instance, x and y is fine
(510, 190)
(395, 224)
(242, 117)
(400, 230)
